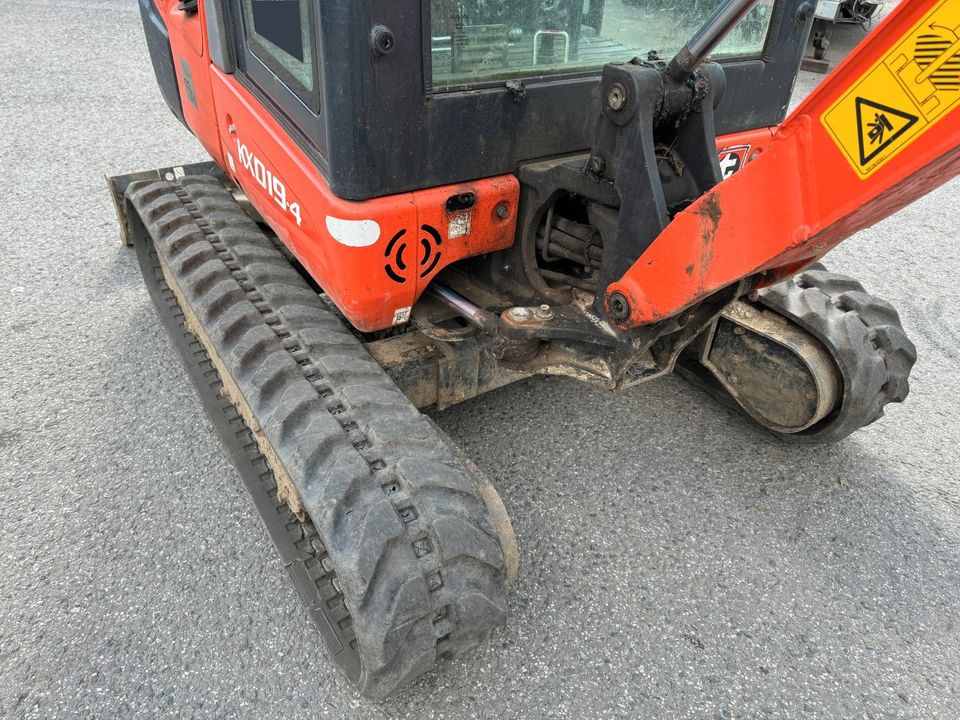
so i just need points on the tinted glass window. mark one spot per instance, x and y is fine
(484, 40)
(280, 33)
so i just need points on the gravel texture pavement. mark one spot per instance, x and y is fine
(676, 561)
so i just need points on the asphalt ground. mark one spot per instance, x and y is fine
(676, 561)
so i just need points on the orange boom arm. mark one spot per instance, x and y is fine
(881, 131)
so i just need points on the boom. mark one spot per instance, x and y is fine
(880, 132)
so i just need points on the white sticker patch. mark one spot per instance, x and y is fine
(401, 316)
(460, 225)
(353, 233)
(178, 172)
(732, 159)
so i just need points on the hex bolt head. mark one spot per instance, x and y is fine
(544, 312)
(503, 211)
(596, 165)
(617, 97)
(619, 307)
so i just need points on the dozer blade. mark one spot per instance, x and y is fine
(399, 548)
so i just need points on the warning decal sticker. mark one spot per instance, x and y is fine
(879, 127)
(902, 95)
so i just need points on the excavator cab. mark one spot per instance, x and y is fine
(413, 202)
(443, 92)
(326, 130)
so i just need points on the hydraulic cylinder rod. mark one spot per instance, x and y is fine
(473, 314)
(714, 30)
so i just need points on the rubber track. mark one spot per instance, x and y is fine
(298, 543)
(865, 338)
(411, 551)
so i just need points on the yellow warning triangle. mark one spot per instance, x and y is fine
(879, 126)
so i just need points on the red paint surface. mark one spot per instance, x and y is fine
(793, 199)
(355, 278)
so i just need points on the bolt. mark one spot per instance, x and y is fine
(617, 97)
(619, 307)
(503, 211)
(232, 129)
(595, 165)
(544, 312)
(521, 314)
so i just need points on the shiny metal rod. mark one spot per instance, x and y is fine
(486, 321)
(714, 30)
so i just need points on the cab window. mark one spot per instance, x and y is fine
(476, 41)
(280, 33)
